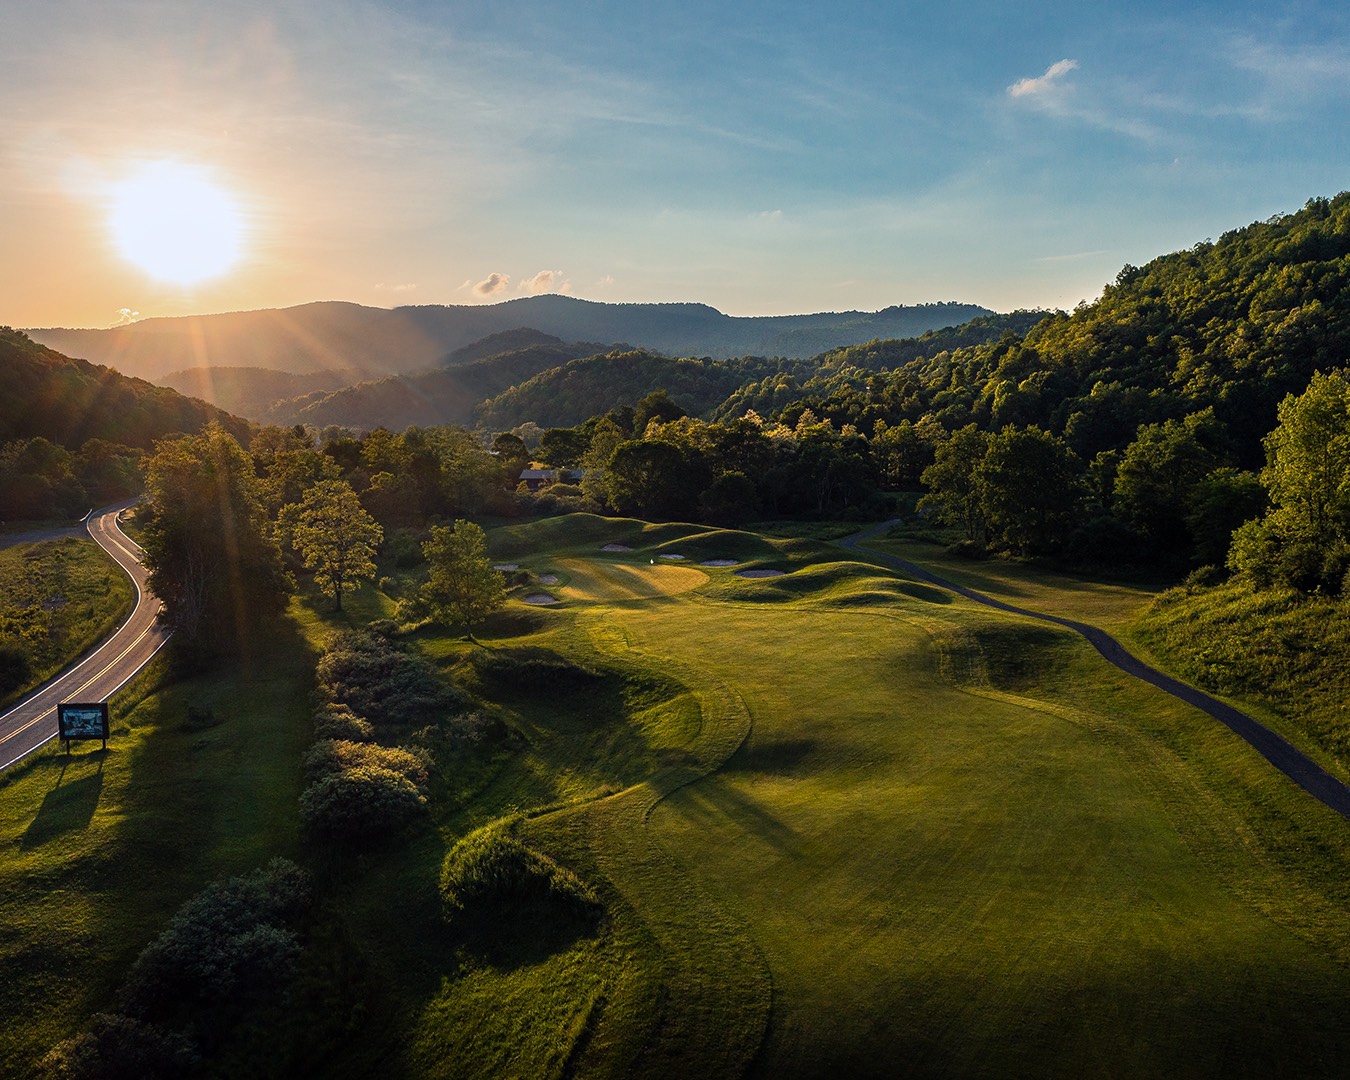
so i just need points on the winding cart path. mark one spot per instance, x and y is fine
(1291, 761)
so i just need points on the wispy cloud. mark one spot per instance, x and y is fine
(126, 316)
(380, 286)
(1043, 85)
(546, 281)
(492, 284)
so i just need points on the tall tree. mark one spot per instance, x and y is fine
(334, 535)
(1029, 487)
(208, 544)
(953, 494)
(462, 586)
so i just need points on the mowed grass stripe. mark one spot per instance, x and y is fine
(714, 986)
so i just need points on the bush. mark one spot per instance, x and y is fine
(359, 804)
(331, 756)
(530, 668)
(339, 722)
(15, 666)
(403, 548)
(381, 682)
(487, 869)
(229, 945)
(121, 1048)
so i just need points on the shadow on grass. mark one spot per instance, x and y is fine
(68, 807)
(781, 757)
(710, 802)
(520, 934)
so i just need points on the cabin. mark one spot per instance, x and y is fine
(535, 479)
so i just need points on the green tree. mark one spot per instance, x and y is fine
(1159, 472)
(462, 587)
(953, 494)
(334, 535)
(1029, 484)
(1304, 540)
(212, 558)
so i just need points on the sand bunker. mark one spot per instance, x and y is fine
(506, 566)
(672, 556)
(719, 562)
(540, 598)
(616, 547)
(760, 573)
(548, 579)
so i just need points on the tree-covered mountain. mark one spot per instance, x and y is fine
(66, 401)
(344, 337)
(1233, 325)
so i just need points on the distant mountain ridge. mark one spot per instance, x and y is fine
(340, 336)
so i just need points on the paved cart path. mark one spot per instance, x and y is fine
(1296, 765)
(101, 673)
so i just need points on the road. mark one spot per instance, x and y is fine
(1296, 765)
(100, 674)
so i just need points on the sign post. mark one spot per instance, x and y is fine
(82, 720)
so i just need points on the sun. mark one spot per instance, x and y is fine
(176, 223)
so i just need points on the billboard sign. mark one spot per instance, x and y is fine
(82, 720)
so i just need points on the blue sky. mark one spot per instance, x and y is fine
(762, 158)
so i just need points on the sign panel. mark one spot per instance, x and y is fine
(82, 720)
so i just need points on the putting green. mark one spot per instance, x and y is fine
(611, 582)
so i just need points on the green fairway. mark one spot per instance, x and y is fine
(959, 844)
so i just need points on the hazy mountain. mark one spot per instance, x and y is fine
(442, 396)
(334, 336)
(251, 391)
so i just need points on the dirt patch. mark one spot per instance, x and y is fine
(548, 579)
(616, 547)
(672, 556)
(540, 598)
(760, 573)
(719, 562)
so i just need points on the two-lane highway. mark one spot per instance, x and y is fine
(100, 674)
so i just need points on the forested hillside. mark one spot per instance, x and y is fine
(71, 432)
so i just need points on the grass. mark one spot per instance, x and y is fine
(839, 822)
(58, 599)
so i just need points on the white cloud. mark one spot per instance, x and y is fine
(125, 316)
(1043, 85)
(492, 284)
(405, 287)
(546, 281)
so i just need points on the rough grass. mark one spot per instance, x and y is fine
(58, 599)
(1287, 653)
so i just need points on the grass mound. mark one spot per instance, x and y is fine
(489, 869)
(529, 667)
(1277, 647)
(512, 542)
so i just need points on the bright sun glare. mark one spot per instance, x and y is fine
(175, 223)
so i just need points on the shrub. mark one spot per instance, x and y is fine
(331, 756)
(120, 1048)
(487, 868)
(530, 668)
(339, 722)
(15, 667)
(359, 804)
(229, 945)
(381, 682)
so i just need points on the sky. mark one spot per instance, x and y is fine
(763, 158)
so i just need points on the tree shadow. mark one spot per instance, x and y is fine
(709, 803)
(68, 807)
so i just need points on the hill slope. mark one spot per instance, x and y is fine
(66, 401)
(341, 336)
